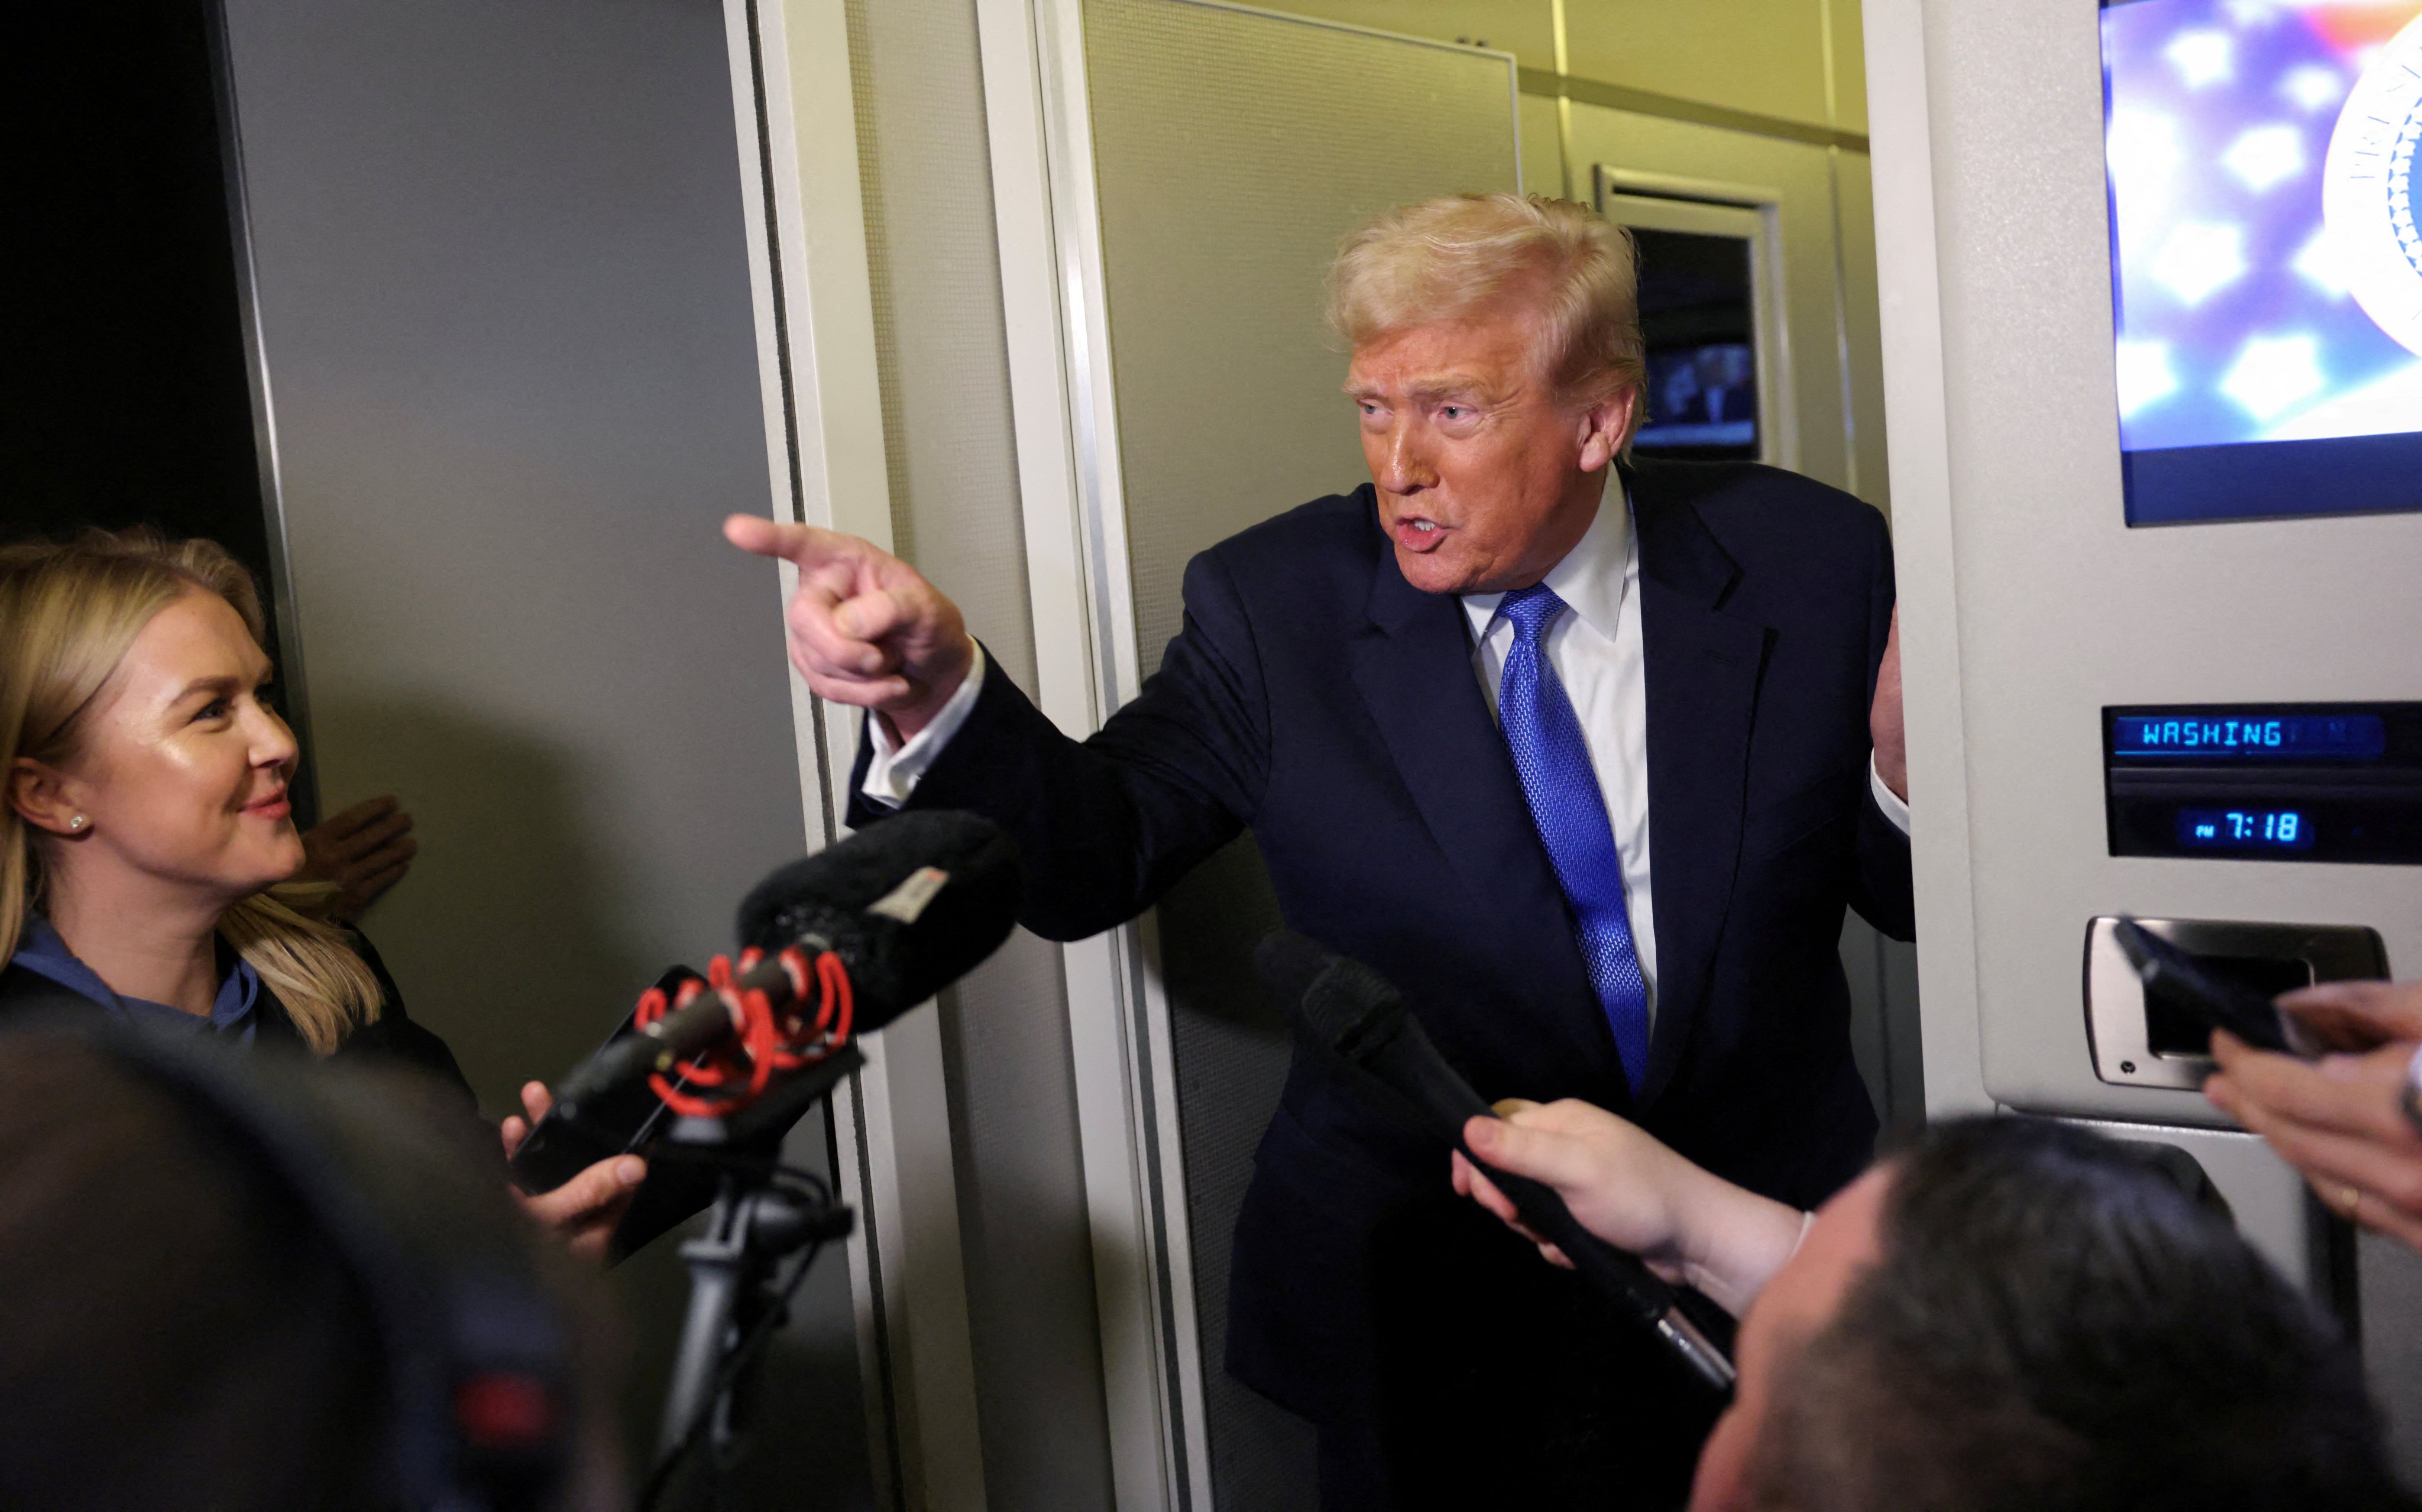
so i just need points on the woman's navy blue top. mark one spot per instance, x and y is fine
(45, 975)
(232, 1015)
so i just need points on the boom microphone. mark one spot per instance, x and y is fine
(907, 906)
(910, 905)
(1360, 1021)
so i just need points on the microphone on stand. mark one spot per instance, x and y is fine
(834, 946)
(838, 944)
(1359, 1021)
(904, 907)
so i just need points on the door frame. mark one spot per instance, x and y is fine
(1088, 662)
(812, 292)
(1759, 224)
(1670, 201)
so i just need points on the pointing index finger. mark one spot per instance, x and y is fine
(802, 544)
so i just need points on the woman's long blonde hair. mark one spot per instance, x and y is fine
(68, 614)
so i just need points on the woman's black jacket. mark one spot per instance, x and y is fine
(393, 1039)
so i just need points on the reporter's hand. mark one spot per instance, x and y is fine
(865, 627)
(1613, 1175)
(364, 851)
(2358, 1016)
(584, 1210)
(2336, 1119)
(1627, 1188)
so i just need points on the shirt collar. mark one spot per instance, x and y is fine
(41, 950)
(1590, 577)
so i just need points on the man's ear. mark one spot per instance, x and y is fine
(40, 795)
(1605, 426)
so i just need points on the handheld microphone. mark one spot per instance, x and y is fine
(1360, 1022)
(905, 906)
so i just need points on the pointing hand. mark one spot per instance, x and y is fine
(865, 627)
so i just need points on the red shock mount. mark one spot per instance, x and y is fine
(734, 1074)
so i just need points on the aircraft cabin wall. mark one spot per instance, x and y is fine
(2154, 471)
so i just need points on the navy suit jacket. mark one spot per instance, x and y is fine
(1318, 698)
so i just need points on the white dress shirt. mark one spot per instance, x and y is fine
(1597, 651)
(892, 774)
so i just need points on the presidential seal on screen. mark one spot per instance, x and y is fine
(2368, 196)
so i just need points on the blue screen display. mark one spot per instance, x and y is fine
(2238, 737)
(2269, 830)
(2266, 271)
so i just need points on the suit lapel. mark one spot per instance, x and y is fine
(1413, 668)
(1701, 674)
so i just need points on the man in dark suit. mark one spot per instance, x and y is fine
(1455, 706)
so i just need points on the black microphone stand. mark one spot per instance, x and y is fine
(763, 1212)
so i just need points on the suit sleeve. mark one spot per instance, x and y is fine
(1881, 890)
(1106, 825)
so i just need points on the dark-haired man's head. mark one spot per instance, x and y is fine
(181, 1326)
(2016, 1315)
(175, 1330)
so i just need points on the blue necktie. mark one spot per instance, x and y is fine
(1561, 786)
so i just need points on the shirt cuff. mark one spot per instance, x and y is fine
(1807, 1222)
(1890, 802)
(892, 773)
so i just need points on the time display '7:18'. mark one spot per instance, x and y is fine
(2244, 830)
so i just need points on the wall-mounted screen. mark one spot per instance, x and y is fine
(2267, 267)
(1698, 313)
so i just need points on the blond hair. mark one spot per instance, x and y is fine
(68, 614)
(1461, 256)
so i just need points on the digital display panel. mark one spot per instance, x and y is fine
(1698, 315)
(2266, 782)
(1702, 396)
(2288, 829)
(2266, 263)
(2237, 738)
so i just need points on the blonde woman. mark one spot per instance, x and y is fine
(147, 845)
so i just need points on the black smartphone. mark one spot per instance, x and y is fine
(2178, 982)
(624, 1123)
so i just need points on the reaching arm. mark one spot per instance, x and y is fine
(865, 627)
(1691, 1226)
(2344, 1121)
(1106, 825)
(1103, 827)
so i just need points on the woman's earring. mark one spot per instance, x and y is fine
(78, 821)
